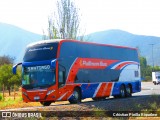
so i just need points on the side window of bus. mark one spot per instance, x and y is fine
(61, 76)
(136, 73)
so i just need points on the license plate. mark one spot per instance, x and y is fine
(36, 98)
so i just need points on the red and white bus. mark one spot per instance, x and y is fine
(56, 70)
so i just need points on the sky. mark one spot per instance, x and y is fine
(140, 17)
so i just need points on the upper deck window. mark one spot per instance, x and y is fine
(47, 51)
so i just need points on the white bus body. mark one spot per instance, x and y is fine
(156, 77)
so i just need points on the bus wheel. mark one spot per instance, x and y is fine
(76, 95)
(116, 96)
(98, 98)
(122, 91)
(128, 91)
(46, 103)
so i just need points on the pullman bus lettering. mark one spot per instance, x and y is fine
(60, 70)
(90, 63)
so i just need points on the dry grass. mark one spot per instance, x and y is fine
(10, 103)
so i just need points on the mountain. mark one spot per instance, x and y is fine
(13, 40)
(142, 42)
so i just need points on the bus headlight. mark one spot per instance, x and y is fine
(24, 93)
(49, 92)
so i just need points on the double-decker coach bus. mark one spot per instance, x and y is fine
(54, 70)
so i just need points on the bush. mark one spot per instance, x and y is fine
(148, 78)
(1, 97)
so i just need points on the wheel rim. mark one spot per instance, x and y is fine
(75, 94)
(122, 92)
(128, 90)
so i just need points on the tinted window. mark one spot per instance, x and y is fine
(93, 75)
(123, 54)
(106, 52)
(68, 50)
(41, 52)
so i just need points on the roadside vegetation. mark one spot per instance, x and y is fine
(14, 101)
(154, 106)
(146, 70)
(151, 105)
(10, 90)
(7, 79)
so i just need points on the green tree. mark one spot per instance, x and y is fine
(7, 78)
(156, 68)
(146, 70)
(143, 64)
(66, 20)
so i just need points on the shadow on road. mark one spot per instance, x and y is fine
(134, 103)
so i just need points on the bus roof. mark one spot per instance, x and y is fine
(69, 40)
(44, 41)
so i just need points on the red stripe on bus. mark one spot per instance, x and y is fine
(109, 88)
(100, 91)
(123, 64)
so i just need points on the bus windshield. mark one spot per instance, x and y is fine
(37, 77)
(158, 77)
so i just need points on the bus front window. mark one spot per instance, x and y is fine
(37, 77)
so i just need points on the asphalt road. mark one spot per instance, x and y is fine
(148, 88)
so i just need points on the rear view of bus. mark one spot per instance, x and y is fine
(59, 70)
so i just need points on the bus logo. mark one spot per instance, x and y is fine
(93, 63)
(51, 48)
(6, 114)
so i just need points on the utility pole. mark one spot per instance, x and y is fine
(152, 57)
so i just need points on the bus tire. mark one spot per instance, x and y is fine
(46, 103)
(122, 91)
(128, 91)
(99, 98)
(95, 99)
(116, 96)
(77, 96)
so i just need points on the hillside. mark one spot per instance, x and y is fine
(13, 40)
(119, 37)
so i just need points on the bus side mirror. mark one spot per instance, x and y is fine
(14, 69)
(53, 64)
